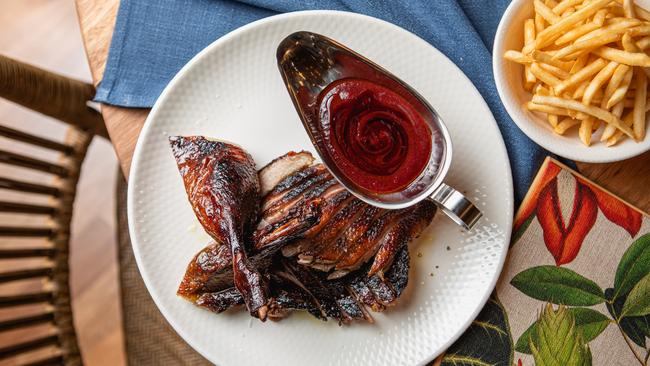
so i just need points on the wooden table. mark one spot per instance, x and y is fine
(630, 179)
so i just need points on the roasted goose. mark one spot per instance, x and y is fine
(223, 188)
(347, 232)
(295, 287)
(211, 269)
(321, 249)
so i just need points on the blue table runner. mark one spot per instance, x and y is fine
(153, 39)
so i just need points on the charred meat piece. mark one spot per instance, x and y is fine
(289, 295)
(342, 246)
(282, 167)
(211, 270)
(361, 234)
(223, 188)
(342, 233)
(298, 288)
(410, 224)
(291, 225)
(221, 301)
(344, 213)
(319, 248)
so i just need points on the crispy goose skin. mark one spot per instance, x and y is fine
(323, 250)
(298, 288)
(412, 223)
(211, 270)
(282, 167)
(223, 188)
(361, 233)
(343, 233)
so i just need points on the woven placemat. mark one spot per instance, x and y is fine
(149, 339)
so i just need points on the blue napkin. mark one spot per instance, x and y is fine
(153, 39)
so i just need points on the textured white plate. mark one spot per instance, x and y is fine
(508, 77)
(232, 90)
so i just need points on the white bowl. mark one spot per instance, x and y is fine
(508, 78)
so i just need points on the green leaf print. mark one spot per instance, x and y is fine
(638, 301)
(487, 342)
(559, 341)
(522, 229)
(634, 265)
(590, 322)
(558, 285)
(637, 328)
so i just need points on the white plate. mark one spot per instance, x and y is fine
(508, 78)
(232, 90)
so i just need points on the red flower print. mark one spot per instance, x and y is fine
(519, 363)
(528, 206)
(616, 211)
(564, 241)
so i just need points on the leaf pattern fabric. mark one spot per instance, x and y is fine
(490, 330)
(575, 289)
(558, 286)
(590, 324)
(558, 341)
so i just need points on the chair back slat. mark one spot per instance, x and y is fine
(52, 94)
(49, 361)
(36, 232)
(35, 140)
(16, 185)
(26, 321)
(31, 232)
(16, 207)
(24, 274)
(31, 163)
(18, 253)
(25, 299)
(31, 345)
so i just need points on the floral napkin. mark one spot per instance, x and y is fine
(575, 289)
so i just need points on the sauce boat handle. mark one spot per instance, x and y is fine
(455, 205)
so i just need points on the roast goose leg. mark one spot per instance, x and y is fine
(211, 269)
(223, 188)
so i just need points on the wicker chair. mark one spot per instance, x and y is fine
(36, 201)
(34, 251)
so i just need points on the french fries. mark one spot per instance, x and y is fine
(585, 64)
(529, 37)
(623, 57)
(585, 130)
(619, 93)
(546, 109)
(546, 12)
(581, 75)
(549, 34)
(546, 58)
(628, 9)
(638, 113)
(543, 75)
(603, 75)
(614, 82)
(565, 5)
(590, 110)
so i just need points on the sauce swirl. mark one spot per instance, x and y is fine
(375, 137)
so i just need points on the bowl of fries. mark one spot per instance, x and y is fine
(573, 75)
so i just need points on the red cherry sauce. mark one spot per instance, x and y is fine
(376, 138)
